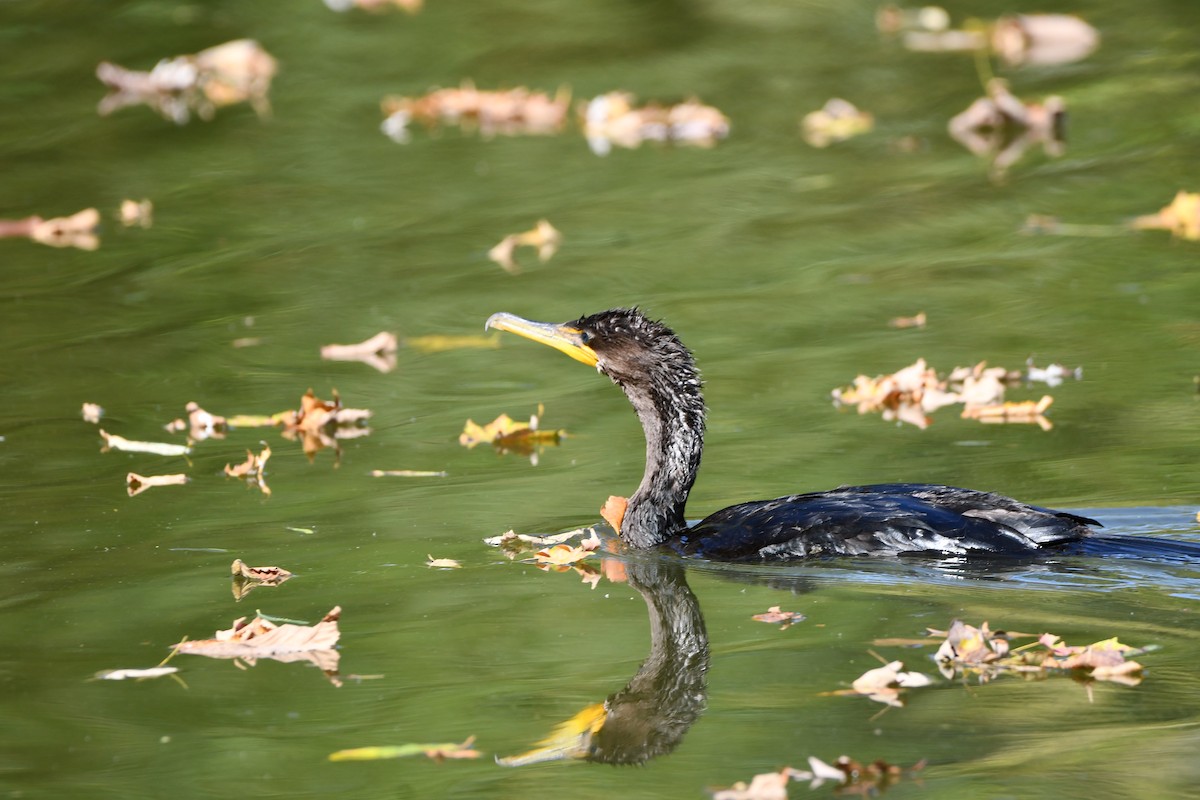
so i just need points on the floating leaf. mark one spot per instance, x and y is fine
(442, 563)
(114, 442)
(613, 511)
(269, 575)
(260, 638)
(135, 674)
(1181, 217)
(136, 484)
(378, 352)
(1001, 128)
(321, 423)
(612, 119)
(562, 555)
(507, 435)
(917, 321)
(987, 654)
(911, 393)
(252, 469)
(411, 6)
(234, 72)
(545, 237)
(511, 112)
(200, 424)
(77, 230)
(438, 343)
(136, 212)
(406, 473)
(837, 121)
(438, 752)
(773, 614)
(246, 578)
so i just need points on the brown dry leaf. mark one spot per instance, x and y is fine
(260, 638)
(1027, 411)
(562, 556)
(764, 786)
(200, 424)
(511, 112)
(77, 230)
(883, 684)
(911, 393)
(1000, 127)
(442, 563)
(507, 435)
(136, 484)
(988, 654)
(320, 423)
(773, 615)
(92, 412)
(136, 212)
(1181, 217)
(234, 72)
(544, 237)
(613, 511)
(917, 321)
(114, 442)
(1043, 39)
(253, 469)
(379, 352)
(837, 121)
(267, 575)
(246, 579)
(612, 119)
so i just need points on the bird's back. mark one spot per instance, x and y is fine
(883, 519)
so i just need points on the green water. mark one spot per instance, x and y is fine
(779, 264)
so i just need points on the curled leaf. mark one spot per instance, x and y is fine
(136, 484)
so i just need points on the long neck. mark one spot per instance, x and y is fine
(649, 717)
(671, 410)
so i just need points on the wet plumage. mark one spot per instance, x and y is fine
(658, 375)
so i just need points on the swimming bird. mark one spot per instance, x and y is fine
(658, 375)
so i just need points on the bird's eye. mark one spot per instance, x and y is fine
(584, 337)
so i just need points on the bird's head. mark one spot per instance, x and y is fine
(622, 343)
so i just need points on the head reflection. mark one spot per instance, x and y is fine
(649, 717)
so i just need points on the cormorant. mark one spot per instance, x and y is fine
(658, 375)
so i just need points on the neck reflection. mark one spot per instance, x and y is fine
(649, 717)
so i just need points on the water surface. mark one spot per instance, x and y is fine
(779, 264)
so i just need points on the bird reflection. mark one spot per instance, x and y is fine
(649, 717)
